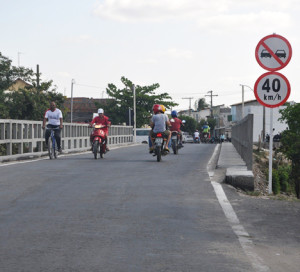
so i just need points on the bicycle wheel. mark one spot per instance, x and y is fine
(50, 153)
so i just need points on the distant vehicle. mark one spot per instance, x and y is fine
(142, 135)
(265, 54)
(280, 53)
(189, 139)
(184, 134)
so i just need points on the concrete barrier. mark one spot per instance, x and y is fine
(21, 138)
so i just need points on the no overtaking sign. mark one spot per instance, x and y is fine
(273, 52)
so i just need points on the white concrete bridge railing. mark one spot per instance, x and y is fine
(21, 138)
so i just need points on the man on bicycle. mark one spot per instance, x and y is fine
(55, 121)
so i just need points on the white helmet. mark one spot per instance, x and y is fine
(100, 111)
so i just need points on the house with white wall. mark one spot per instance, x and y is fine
(260, 118)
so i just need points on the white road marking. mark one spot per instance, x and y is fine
(243, 236)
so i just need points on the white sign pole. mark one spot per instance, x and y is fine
(271, 151)
(134, 114)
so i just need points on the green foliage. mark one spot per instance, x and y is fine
(201, 104)
(275, 182)
(290, 141)
(29, 103)
(190, 124)
(284, 175)
(118, 109)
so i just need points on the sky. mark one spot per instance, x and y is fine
(189, 47)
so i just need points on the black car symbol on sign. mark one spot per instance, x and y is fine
(280, 53)
(265, 54)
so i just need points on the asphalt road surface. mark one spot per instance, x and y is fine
(126, 212)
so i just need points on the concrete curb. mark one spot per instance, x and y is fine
(236, 173)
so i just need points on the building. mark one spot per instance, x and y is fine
(83, 108)
(261, 123)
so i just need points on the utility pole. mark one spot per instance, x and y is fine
(190, 98)
(211, 102)
(19, 53)
(38, 76)
(72, 83)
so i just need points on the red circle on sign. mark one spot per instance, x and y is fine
(288, 92)
(271, 54)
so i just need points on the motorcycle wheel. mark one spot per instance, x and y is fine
(101, 151)
(95, 149)
(158, 153)
(174, 147)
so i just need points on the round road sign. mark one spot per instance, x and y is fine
(272, 89)
(273, 52)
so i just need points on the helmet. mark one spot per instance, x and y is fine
(100, 111)
(163, 108)
(174, 113)
(156, 108)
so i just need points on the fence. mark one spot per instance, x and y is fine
(19, 138)
(242, 139)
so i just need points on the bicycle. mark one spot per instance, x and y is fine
(52, 151)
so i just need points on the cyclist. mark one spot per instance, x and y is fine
(55, 120)
(159, 123)
(101, 119)
(176, 123)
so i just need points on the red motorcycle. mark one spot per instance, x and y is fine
(98, 141)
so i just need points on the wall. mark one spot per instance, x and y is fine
(242, 139)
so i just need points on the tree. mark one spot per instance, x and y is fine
(29, 103)
(118, 109)
(190, 124)
(290, 141)
(201, 104)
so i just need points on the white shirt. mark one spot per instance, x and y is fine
(196, 134)
(53, 117)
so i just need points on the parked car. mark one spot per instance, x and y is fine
(184, 134)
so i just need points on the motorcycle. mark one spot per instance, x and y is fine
(175, 141)
(159, 142)
(205, 138)
(98, 141)
(197, 140)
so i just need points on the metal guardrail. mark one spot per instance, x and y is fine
(19, 138)
(242, 139)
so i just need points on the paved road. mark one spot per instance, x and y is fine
(126, 212)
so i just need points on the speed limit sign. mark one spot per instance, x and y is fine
(272, 89)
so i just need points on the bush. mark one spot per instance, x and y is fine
(275, 182)
(284, 177)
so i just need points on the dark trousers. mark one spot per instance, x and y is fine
(56, 135)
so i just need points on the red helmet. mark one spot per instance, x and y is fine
(156, 108)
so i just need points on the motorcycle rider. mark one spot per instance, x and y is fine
(159, 123)
(196, 136)
(176, 123)
(206, 129)
(101, 119)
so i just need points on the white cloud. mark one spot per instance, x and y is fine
(64, 74)
(157, 10)
(178, 53)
